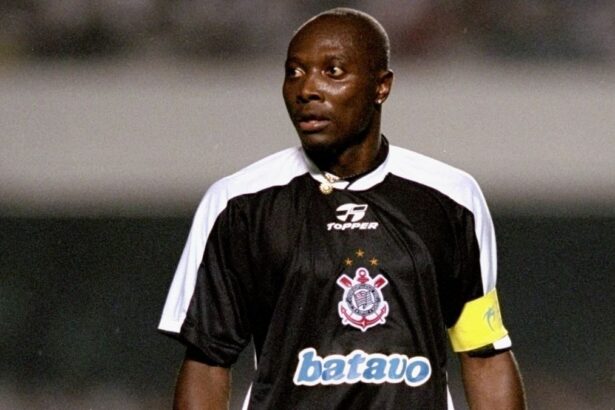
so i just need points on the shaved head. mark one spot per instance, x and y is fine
(367, 32)
(336, 80)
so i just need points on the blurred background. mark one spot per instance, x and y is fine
(115, 117)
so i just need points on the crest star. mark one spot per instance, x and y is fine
(348, 262)
(373, 261)
(360, 253)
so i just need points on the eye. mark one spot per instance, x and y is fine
(292, 72)
(335, 71)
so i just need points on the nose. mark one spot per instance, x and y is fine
(310, 88)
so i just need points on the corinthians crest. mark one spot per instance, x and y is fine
(362, 305)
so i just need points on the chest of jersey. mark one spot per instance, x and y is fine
(353, 271)
(311, 252)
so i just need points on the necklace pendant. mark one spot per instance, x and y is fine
(326, 188)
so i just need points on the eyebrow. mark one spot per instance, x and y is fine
(341, 57)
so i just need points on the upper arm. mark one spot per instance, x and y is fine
(207, 305)
(489, 370)
(473, 311)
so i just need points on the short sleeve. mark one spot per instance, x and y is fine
(476, 322)
(206, 304)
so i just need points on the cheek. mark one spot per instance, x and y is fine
(355, 106)
(356, 97)
(341, 93)
(286, 94)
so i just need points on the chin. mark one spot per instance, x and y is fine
(316, 142)
(323, 151)
(314, 138)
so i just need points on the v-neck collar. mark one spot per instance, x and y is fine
(361, 182)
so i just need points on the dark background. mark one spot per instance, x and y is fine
(81, 299)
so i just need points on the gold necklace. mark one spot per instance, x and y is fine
(326, 187)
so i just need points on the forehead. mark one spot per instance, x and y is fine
(327, 35)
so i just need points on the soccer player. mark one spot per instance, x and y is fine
(349, 262)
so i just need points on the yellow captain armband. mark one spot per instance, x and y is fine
(480, 324)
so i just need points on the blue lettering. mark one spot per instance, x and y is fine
(354, 362)
(375, 369)
(309, 370)
(359, 366)
(333, 369)
(397, 368)
(418, 371)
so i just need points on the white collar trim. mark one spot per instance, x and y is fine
(363, 183)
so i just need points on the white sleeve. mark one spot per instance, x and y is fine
(183, 284)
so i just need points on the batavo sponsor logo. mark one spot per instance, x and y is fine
(359, 366)
(350, 215)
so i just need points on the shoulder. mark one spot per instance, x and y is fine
(274, 170)
(452, 182)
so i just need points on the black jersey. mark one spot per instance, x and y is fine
(349, 293)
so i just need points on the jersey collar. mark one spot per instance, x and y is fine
(361, 182)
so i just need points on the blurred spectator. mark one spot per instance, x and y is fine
(229, 28)
(535, 29)
(417, 28)
(540, 28)
(78, 28)
(594, 28)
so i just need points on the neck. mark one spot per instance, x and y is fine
(353, 160)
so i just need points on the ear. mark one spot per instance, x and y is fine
(384, 83)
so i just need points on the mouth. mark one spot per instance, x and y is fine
(312, 123)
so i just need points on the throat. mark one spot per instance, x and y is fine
(356, 167)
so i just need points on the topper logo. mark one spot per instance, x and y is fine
(355, 211)
(350, 214)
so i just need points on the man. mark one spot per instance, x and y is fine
(345, 260)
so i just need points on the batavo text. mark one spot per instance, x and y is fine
(359, 366)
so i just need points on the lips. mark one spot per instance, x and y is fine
(312, 122)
